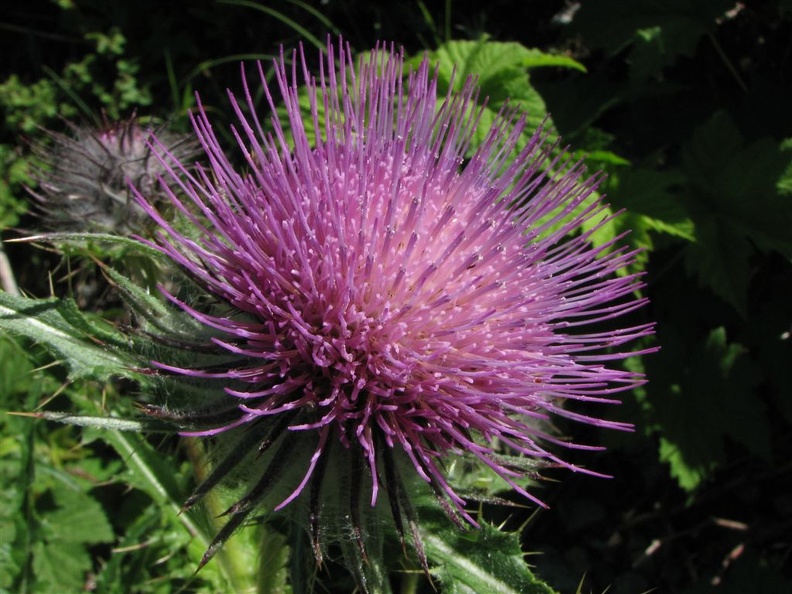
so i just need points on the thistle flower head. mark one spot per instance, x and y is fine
(84, 178)
(390, 292)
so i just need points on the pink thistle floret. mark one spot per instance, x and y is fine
(396, 289)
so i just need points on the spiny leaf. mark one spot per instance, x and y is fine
(108, 423)
(482, 560)
(79, 340)
(152, 310)
(84, 238)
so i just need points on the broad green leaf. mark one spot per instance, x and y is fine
(734, 201)
(701, 394)
(78, 519)
(537, 59)
(60, 568)
(737, 183)
(58, 324)
(501, 72)
(720, 259)
(656, 195)
(660, 30)
(60, 560)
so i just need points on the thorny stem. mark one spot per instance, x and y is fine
(7, 279)
(729, 66)
(409, 583)
(231, 555)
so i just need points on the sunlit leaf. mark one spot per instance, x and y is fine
(474, 561)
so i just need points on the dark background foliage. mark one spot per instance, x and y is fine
(686, 105)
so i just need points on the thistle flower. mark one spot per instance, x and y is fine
(387, 298)
(84, 181)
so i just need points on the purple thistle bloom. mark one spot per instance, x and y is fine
(390, 294)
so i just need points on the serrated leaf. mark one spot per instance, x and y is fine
(710, 397)
(734, 202)
(54, 323)
(660, 29)
(654, 194)
(737, 183)
(538, 59)
(500, 68)
(10, 514)
(78, 519)
(60, 568)
(60, 559)
(473, 561)
(719, 258)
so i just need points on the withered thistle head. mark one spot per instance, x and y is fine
(84, 177)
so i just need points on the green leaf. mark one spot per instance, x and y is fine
(660, 30)
(78, 519)
(737, 183)
(702, 394)
(720, 260)
(735, 204)
(61, 561)
(153, 313)
(108, 423)
(60, 568)
(79, 340)
(501, 70)
(149, 471)
(66, 238)
(473, 561)
(655, 195)
(153, 474)
(537, 58)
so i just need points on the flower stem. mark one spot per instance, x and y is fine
(234, 559)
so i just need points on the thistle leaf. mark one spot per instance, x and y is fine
(484, 560)
(89, 347)
(108, 423)
(84, 238)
